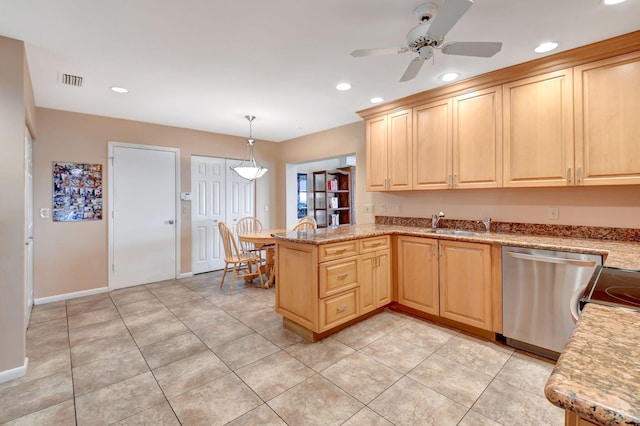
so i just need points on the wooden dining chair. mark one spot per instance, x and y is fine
(304, 225)
(311, 220)
(248, 225)
(233, 256)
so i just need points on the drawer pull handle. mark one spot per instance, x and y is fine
(341, 309)
(343, 276)
(340, 251)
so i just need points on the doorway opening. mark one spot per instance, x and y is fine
(300, 186)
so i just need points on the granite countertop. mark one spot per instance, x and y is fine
(616, 253)
(598, 374)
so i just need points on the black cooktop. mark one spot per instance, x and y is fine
(614, 287)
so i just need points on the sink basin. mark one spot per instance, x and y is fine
(456, 232)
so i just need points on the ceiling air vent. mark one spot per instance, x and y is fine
(72, 80)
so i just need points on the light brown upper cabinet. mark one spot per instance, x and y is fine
(477, 139)
(457, 142)
(432, 145)
(389, 152)
(538, 131)
(607, 120)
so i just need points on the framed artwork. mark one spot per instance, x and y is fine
(77, 192)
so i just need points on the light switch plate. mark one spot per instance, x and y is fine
(553, 213)
(368, 208)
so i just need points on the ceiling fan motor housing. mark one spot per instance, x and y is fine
(418, 36)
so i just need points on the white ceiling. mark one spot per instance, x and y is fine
(205, 64)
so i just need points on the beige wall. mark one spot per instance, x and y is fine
(339, 141)
(72, 256)
(12, 133)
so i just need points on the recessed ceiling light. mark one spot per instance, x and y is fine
(612, 2)
(545, 47)
(450, 76)
(119, 89)
(376, 100)
(343, 86)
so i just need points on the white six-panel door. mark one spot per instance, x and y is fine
(143, 222)
(218, 195)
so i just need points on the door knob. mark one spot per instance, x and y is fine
(171, 222)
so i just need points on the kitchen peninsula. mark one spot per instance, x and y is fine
(324, 277)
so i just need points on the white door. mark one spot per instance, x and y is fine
(207, 210)
(239, 196)
(142, 199)
(219, 195)
(28, 222)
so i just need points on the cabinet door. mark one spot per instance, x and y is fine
(465, 283)
(366, 274)
(538, 131)
(432, 145)
(477, 139)
(607, 102)
(374, 276)
(399, 151)
(418, 273)
(383, 278)
(376, 139)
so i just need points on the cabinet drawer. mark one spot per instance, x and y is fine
(339, 309)
(338, 276)
(373, 244)
(338, 250)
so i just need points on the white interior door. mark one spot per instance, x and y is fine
(219, 195)
(28, 222)
(239, 196)
(143, 195)
(208, 177)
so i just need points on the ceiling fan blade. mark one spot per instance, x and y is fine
(379, 51)
(483, 49)
(412, 69)
(447, 16)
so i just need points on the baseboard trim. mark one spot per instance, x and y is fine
(185, 275)
(14, 373)
(58, 297)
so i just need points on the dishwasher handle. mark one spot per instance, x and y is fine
(549, 259)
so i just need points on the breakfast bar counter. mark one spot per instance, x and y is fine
(597, 375)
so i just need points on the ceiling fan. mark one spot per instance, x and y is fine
(435, 23)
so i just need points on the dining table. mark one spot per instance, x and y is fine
(263, 240)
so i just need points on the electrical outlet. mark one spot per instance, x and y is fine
(368, 208)
(553, 213)
(383, 208)
(398, 208)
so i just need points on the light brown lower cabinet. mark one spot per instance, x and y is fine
(465, 283)
(417, 276)
(572, 419)
(450, 279)
(320, 287)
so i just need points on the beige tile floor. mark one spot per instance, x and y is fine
(185, 352)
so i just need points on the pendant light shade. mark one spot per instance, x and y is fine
(248, 168)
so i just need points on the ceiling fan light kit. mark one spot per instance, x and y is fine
(435, 23)
(248, 168)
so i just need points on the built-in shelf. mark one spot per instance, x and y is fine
(332, 197)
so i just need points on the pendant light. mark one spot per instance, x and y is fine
(247, 168)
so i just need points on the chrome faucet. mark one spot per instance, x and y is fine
(487, 223)
(435, 218)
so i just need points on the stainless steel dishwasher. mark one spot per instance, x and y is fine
(537, 288)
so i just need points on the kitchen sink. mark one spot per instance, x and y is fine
(456, 232)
